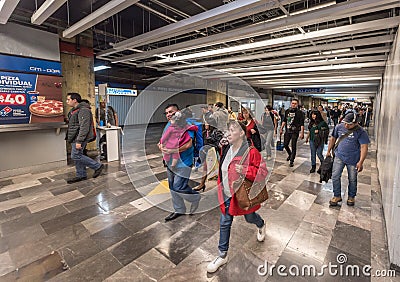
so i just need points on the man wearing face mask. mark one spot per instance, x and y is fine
(294, 128)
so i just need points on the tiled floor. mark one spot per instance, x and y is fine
(108, 229)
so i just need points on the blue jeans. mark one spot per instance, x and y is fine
(268, 142)
(225, 224)
(337, 170)
(180, 190)
(82, 161)
(316, 151)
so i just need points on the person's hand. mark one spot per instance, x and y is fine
(253, 131)
(160, 147)
(170, 151)
(359, 166)
(281, 131)
(328, 154)
(78, 146)
(306, 140)
(275, 134)
(239, 168)
(302, 136)
(316, 131)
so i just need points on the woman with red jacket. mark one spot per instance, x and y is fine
(254, 169)
(251, 129)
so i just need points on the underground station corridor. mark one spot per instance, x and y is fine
(125, 127)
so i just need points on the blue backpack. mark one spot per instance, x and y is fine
(197, 137)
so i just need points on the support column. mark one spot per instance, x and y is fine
(78, 74)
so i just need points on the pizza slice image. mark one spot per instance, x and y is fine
(47, 108)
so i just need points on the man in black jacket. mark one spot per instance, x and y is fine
(294, 128)
(80, 132)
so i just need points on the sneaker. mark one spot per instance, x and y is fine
(216, 263)
(351, 201)
(98, 171)
(269, 158)
(261, 233)
(334, 201)
(291, 165)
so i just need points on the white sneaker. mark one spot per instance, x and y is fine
(261, 234)
(216, 263)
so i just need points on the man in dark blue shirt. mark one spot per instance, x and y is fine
(351, 152)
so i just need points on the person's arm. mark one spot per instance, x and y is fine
(84, 126)
(331, 144)
(364, 152)
(308, 136)
(301, 125)
(275, 125)
(116, 119)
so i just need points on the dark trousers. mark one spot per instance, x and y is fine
(287, 137)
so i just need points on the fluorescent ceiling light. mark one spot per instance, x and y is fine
(319, 34)
(7, 7)
(313, 8)
(46, 10)
(99, 68)
(97, 16)
(336, 51)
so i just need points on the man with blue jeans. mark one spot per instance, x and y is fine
(178, 177)
(80, 132)
(350, 152)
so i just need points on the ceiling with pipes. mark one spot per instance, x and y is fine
(341, 46)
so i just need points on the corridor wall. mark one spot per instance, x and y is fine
(387, 132)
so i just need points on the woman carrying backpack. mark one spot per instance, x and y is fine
(317, 129)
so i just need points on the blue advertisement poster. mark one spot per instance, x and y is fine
(30, 98)
(15, 98)
(29, 65)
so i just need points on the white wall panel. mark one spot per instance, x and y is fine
(24, 41)
(388, 157)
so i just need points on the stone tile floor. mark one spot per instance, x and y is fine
(110, 229)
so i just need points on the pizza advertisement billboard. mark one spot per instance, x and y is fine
(30, 98)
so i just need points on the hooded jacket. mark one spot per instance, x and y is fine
(254, 169)
(80, 125)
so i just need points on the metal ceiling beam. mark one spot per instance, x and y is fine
(344, 74)
(294, 51)
(351, 8)
(7, 7)
(319, 34)
(255, 65)
(46, 10)
(104, 12)
(161, 15)
(313, 63)
(221, 14)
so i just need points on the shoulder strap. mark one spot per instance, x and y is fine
(345, 136)
(245, 155)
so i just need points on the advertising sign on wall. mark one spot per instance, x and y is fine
(29, 65)
(30, 98)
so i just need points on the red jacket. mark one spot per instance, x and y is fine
(254, 168)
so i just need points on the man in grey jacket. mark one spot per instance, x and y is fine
(221, 116)
(80, 132)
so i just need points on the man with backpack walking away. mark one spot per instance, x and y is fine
(349, 143)
(80, 132)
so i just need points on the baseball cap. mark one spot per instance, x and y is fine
(350, 118)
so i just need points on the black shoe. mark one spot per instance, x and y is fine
(312, 170)
(200, 188)
(319, 170)
(98, 171)
(193, 207)
(288, 158)
(172, 216)
(76, 179)
(291, 165)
